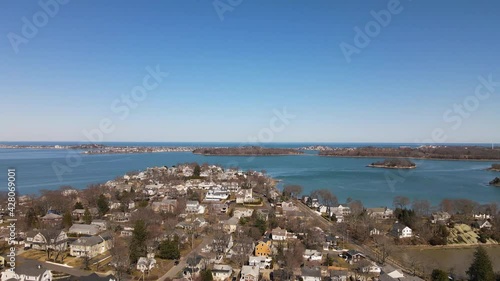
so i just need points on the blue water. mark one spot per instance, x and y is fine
(346, 177)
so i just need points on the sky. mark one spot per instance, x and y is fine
(250, 71)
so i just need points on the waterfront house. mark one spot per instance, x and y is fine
(84, 229)
(222, 272)
(249, 273)
(380, 213)
(91, 246)
(401, 231)
(440, 217)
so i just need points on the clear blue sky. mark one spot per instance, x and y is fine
(227, 76)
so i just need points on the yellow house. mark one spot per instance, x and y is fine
(263, 248)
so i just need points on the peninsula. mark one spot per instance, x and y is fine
(494, 167)
(247, 151)
(495, 182)
(422, 152)
(394, 163)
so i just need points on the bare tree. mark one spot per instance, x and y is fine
(120, 257)
(401, 202)
(292, 190)
(421, 207)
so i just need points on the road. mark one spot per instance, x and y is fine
(357, 246)
(28, 263)
(172, 273)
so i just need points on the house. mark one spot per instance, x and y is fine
(166, 205)
(194, 266)
(311, 274)
(380, 213)
(79, 213)
(312, 255)
(127, 231)
(263, 214)
(222, 272)
(374, 231)
(91, 246)
(46, 239)
(216, 195)
(260, 262)
(353, 256)
(84, 229)
(440, 217)
(483, 224)
(30, 271)
(372, 269)
(263, 248)
(145, 264)
(101, 224)
(219, 208)
(242, 212)
(249, 273)
(194, 207)
(401, 231)
(340, 210)
(244, 196)
(338, 275)
(52, 219)
(230, 225)
(278, 234)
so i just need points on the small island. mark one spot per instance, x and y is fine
(495, 182)
(494, 167)
(247, 151)
(396, 163)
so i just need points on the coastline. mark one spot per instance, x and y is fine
(389, 167)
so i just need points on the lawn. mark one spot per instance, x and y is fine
(454, 259)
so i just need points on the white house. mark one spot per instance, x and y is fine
(401, 231)
(230, 225)
(41, 240)
(278, 234)
(260, 261)
(84, 229)
(249, 273)
(194, 207)
(242, 213)
(222, 272)
(145, 264)
(244, 196)
(91, 246)
(373, 269)
(312, 255)
(213, 195)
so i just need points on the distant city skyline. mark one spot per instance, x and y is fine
(262, 72)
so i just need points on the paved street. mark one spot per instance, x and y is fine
(172, 273)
